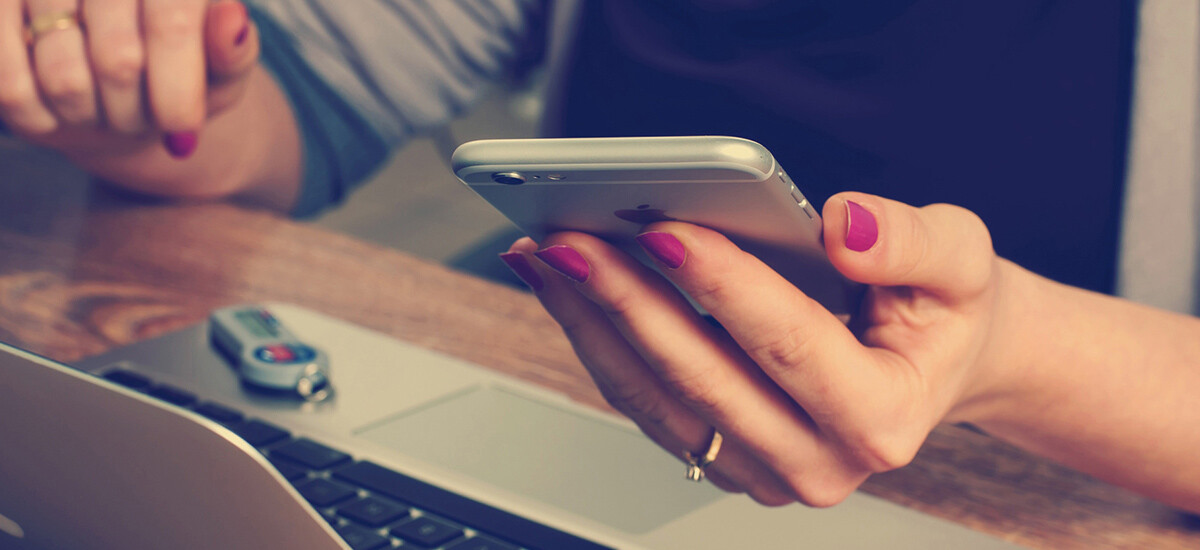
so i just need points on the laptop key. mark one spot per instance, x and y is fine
(427, 532)
(323, 492)
(481, 543)
(373, 512)
(419, 494)
(310, 453)
(219, 413)
(360, 538)
(173, 395)
(329, 515)
(289, 471)
(129, 379)
(258, 433)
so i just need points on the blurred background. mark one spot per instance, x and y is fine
(415, 204)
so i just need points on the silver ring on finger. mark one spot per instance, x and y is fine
(698, 462)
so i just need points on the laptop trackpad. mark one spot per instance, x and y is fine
(609, 473)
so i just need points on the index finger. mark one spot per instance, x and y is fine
(175, 65)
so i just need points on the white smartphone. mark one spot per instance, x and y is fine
(612, 187)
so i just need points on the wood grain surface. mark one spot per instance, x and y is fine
(82, 271)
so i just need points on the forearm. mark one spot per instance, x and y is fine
(250, 151)
(1103, 385)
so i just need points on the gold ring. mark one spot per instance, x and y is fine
(51, 22)
(696, 464)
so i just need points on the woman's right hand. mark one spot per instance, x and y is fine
(949, 332)
(123, 74)
(808, 407)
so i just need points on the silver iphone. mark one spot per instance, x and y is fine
(612, 187)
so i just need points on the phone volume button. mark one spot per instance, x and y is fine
(803, 204)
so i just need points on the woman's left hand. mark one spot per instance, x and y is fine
(808, 407)
(108, 78)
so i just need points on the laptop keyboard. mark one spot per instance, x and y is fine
(372, 507)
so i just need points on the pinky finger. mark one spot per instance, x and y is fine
(21, 106)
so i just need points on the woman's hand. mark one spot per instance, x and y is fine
(809, 408)
(121, 74)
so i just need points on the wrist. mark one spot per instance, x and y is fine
(1003, 381)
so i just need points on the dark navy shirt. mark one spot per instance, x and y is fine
(1015, 109)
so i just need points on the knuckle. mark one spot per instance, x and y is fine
(620, 304)
(67, 85)
(970, 218)
(642, 404)
(718, 282)
(724, 482)
(706, 290)
(781, 349)
(816, 494)
(29, 120)
(771, 497)
(121, 63)
(16, 93)
(979, 237)
(916, 249)
(883, 453)
(973, 240)
(700, 391)
(573, 326)
(711, 290)
(968, 222)
(38, 127)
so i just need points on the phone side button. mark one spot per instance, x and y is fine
(803, 204)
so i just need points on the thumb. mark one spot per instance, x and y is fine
(230, 42)
(942, 249)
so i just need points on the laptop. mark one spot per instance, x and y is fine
(158, 445)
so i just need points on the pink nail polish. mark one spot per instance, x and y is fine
(241, 36)
(861, 229)
(565, 260)
(181, 145)
(521, 268)
(664, 247)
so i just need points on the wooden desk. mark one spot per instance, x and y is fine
(82, 271)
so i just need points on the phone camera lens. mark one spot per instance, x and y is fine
(508, 178)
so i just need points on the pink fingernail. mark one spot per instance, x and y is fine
(521, 268)
(565, 260)
(242, 35)
(664, 247)
(181, 145)
(861, 229)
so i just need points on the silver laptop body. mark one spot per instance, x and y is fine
(85, 463)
